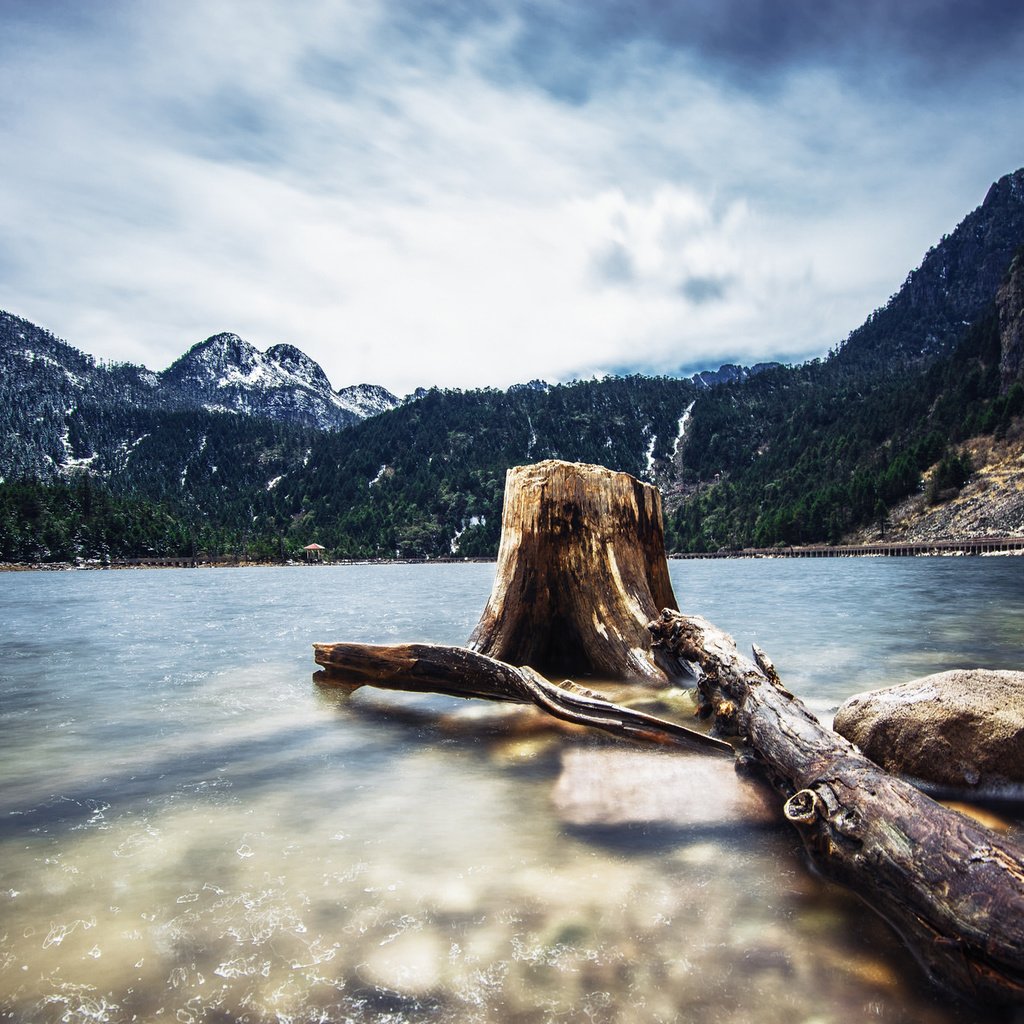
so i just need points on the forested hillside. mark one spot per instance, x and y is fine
(422, 480)
(93, 467)
(183, 481)
(427, 479)
(810, 453)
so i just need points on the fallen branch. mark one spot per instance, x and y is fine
(433, 668)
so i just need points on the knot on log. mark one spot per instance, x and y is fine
(726, 723)
(803, 808)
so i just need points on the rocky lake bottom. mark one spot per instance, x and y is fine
(192, 830)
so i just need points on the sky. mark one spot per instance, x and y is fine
(470, 194)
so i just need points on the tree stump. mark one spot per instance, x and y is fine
(581, 571)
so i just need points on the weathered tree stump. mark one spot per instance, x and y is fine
(581, 571)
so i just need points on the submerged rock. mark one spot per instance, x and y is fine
(611, 786)
(963, 729)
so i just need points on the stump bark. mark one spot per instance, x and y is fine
(581, 571)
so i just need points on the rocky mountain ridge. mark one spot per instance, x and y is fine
(730, 373)
(224, 373)
(816, 452)
(956, 280)
(991, 501)
(52, 391)
(57, 403)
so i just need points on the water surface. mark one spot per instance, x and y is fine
(191, 830)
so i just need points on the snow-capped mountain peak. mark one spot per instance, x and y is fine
(227, 373)
(366, 399)
(221, 359)
(297, 365)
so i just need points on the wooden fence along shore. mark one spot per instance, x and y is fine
(229, 561)
(890, 549)
(894, 549)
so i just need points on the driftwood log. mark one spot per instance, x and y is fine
(953, 889)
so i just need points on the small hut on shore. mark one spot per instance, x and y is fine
(314, 552)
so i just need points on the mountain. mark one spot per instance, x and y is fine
(977, 488)
(956, 280)
(226, 374)
(42, 382)
(227, 449)
(729, 373)
(365, 400)
(816, 452)
(59, 408)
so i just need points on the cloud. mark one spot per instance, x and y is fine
(566, 48)
(613, 265)
(491, 192)
(699, 290)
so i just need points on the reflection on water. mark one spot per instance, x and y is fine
(191, 831)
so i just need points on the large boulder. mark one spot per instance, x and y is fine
(962, 729)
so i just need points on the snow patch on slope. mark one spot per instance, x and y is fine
(465, 525)
(684, 422)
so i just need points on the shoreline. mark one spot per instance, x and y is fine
(947, 548)
(984, 547)
(188, 563)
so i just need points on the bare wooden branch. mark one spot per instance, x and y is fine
(951, 887)
(433, 668)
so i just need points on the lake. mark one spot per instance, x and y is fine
(191, 830)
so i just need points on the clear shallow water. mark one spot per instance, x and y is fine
(191, 830)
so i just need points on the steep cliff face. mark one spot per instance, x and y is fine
(1010, 302)
(955, 282)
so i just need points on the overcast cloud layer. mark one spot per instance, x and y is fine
(431, 193)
